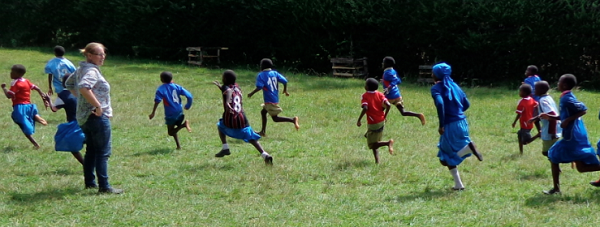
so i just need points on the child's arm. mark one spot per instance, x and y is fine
(42, 95)
(256, 90)
(189, 97)
(548, 116)
(572, 118)
(387, 108)
(217, 83)
(439, 105)
(285, 90)
(516, 119)
(362, 113)
(50, 84)
(153, 110)
(6, 93)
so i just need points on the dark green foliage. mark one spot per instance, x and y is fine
(493, 41)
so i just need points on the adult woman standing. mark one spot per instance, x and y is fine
(93, 115)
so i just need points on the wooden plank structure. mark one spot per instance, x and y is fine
(349, 67)
(425, 75)
(197, 55)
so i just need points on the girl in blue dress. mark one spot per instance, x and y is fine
(574, 146)
(451, 102)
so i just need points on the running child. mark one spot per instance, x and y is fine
(24, 114)
(268, 81)
(170, 94)
(531, 78)
(56, 69)
(574, 146)
(455, 145)
(550, 128)
(525, 111)
(376, 107)
(68, 134)
(392, 91)
(234, 122)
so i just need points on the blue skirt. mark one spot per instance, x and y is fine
(575, 146)
(455, 138)
(245, 134)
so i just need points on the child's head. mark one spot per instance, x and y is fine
(229, 77)
(17, 71)
(371, 84)
(541, 88)
(166, 77)
(525, 90)
(567, 82)
(266, 63)
(388, 62)
(531, 70)
(59, 51)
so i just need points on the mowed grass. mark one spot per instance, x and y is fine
(323, 174)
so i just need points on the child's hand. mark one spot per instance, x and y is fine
(151, 116)
(216, 82)
(250, 95)
(358, 123)
(3, 85)
(544, 116)
(513, 124)
(564, 124)
(441, 130)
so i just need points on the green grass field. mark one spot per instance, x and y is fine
(323, 174)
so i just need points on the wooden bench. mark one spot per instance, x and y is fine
(349, 67)
(425, 75)
(197, 55)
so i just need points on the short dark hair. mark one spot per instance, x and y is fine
(526, 88)
(20, 69)
(59, 51)
(532, 68)
(266, 63)
(229, 77)
(372, 84)
(542, 86)
(569, 80)
(388, 62)
(166, 77)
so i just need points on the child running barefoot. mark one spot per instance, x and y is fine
(170, 94)
(234, 122)
(525, 110)
(376, 107)
(574, 146)
(268, 80)
(550, 129)
(450, 101)
(392, 91)
(24, 114)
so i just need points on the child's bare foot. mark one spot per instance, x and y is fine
(40, 120)
(178, 148)
(36, 146)
(262, 134)
(391, 146)
(296, 123)
(187, 126)
(422, 118)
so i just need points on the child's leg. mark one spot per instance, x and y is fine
(78, 156)
(389, 144)
(421, 117)
(286, 119)
(263, 117)
(555, 180)
(40, 120)
(520, 138)
(475, 151)
(582, 167)
(172, 131)
(268, 158)
(458, 185)
(225, 150)
(376, 155)
(35, 144)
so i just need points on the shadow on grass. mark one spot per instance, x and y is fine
(512, 157)
(427, 194)
(65, 171)
(222, 166)
(543, 200)
(158, 151)
(50, 194)
(353, 164)
(9, 149)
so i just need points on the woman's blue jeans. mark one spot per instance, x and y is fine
(98, 148)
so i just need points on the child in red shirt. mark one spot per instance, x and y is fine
(24, 112)
(376, 107)
(525, 111)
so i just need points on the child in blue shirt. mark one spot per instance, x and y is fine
(56, 69)
(531, 78)
(392, 91)
(454, 145)
(170, 94)
(574, 146)
(268, 81)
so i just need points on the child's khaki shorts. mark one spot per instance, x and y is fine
(397, 102)
(374, 133)
(546, 144)
(272, 109)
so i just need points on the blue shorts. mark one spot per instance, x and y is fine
(175, 120)
(245, 134)
(24, 116)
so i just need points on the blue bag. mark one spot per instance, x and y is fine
(69, 137)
